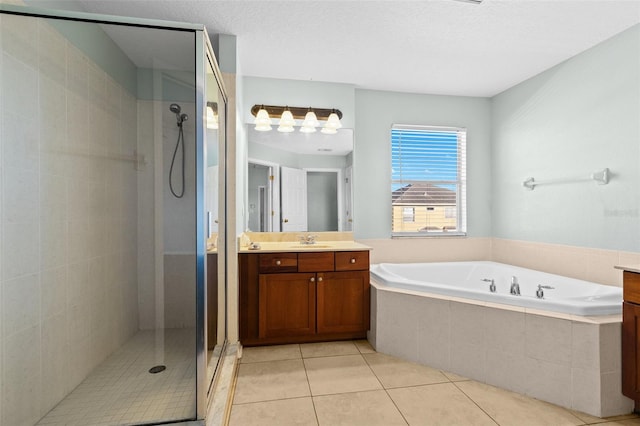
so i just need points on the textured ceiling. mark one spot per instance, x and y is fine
(433, 46)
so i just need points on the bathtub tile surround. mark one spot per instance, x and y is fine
(405, 393)
(571, 361)
(587, 264)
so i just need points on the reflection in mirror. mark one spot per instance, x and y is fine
(299, 181)
(214, 195)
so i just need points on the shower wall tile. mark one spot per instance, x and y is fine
(54, 362)
(53, 291)
(20, 87)
(22, 152)
(20, 38)
(20, 196)
(53, 244)
(21, 377)
(20, 304)
(20, 252)
(68, 217)
(77, 72)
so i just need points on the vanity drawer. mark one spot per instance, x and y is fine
(278, 262)
(352, 260)
(631, 287)
(316, 261)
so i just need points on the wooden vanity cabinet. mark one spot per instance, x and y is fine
(303, 297)
(631, 337)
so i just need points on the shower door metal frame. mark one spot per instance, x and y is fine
(202, 49)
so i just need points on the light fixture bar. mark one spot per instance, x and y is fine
(299, 113)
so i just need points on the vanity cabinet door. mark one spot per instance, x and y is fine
(343, 302)
(631, 350)
(287, 304)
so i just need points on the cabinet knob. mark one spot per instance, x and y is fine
(312, 279)
(286, 220)
(319, 279)
(353, 260)
(278, 262)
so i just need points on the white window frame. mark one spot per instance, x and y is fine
(460, 182)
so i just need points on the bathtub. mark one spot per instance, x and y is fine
(467, 280)
(564, 348)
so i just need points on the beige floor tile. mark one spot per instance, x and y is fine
(627, 422)
(394, 373)
(270, 353)
(364, 347)
(283, 412)
(330, 375)
(359, 408)
(266, 381)
(454, 377)
(509, 408)
(313, 350)
(439, 404)
(587, 418)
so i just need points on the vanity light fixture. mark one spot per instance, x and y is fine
(310, 122)
(286, 121)
(262, 121)
(333, 124)
(289, 115)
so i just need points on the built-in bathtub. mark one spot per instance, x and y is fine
(473, 280)
(563, 348)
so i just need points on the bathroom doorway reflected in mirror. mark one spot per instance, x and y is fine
(299, 182)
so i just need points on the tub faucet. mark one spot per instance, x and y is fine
(515, 287)
(492, 286)
(540, 293)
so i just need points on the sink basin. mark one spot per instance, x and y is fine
(309, 246)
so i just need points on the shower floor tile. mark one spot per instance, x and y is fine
(122, 391)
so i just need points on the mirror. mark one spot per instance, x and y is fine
(299, 182)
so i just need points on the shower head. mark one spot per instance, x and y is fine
(175, 108)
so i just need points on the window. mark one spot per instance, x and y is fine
(428, 178)
(408, 214)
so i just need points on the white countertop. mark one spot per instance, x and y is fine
(290, 246)
(629, 268)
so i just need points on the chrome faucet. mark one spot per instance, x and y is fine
(492, 286)
(307, 239)
(540, 293)
(515, 287)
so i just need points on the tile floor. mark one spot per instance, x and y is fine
(121, 391)
(348, 383)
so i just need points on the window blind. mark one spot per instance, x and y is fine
(428, 174)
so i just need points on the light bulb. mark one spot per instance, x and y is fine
(262, 121)
(286, 122)
(333, 122)
(310, 122)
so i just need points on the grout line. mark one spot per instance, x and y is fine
(386, 391)
(475, 403)
(306, 375)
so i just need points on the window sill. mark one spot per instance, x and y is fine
(429, 235)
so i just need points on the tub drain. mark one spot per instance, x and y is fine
(157, 369)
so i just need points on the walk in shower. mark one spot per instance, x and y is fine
(112, 277)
